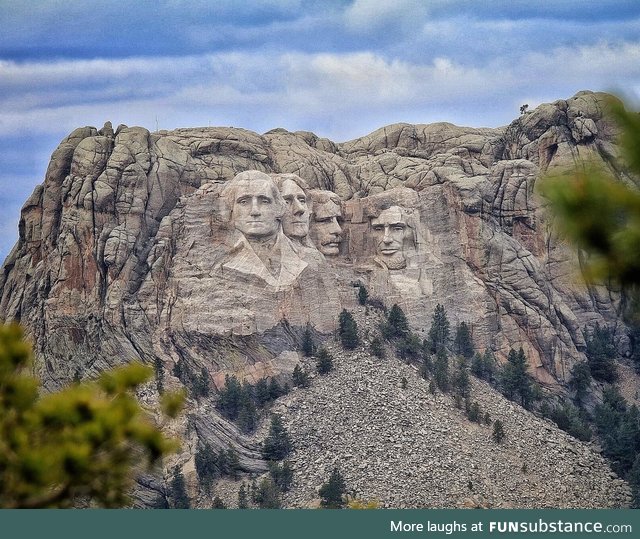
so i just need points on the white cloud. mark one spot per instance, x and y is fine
(345, 91)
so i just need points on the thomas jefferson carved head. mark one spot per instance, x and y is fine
(326, 229)
(294, 191)
(394, 236)
(255, 203)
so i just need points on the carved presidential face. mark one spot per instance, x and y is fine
(326, 231)
(392, 236)
(255, 212)
(295, 222)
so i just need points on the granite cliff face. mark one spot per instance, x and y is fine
(131, 247)
(117, 244)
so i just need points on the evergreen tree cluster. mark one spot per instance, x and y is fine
(199, 385)
(308, 346)
(363, 294)
(178, 491)
(277, 445)
(439, 332)
(348, 330)
(484, 366)
(211, 464)
(515, 382)
(332, 493)
(569, 418)
(300, 377)
(241, 402)
(600, 352)
(618, 426)
(324, 361)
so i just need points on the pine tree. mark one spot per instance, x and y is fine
(230, 397)
(277, 445)
(275, 390)
(324, 361)
(217, 503)
(515, 381)
(268, 494)
(332, 492)
(87, 441)
(348, 330)
(300, 377)
(397, 325)
(441, 370)
(206, 462)
(282, 474)
(248, 415)
(159, 372)
(580, 381)
(202, 384)
(243, 500)
(377, 348)
(439, 332)
(633, 478)
(460, 380)
(498, 431)
(260, 392)
(179, 491)
(308, 347)
(484, 366)
(463, 344)
(363, 294)
(600, 353)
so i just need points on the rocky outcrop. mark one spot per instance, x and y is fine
(128, 249)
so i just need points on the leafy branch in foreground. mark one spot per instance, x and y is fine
(84, 442)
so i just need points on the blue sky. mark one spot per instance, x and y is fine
(338, 68)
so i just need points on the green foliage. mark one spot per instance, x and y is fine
(206, 462)
(580, 381)
(324, 363)
(240, 402)
(178, 491)
(408, 346)
(473, 411)
(396, 325)
(403, 382)
(377, 347)
(217, 503)
(618, 426)
(439, 332)
(268, 494)
(633, 478)
(229, 397)
(198, 384)
(602, 215)
(348, 330)
(363, 295)
(568, 418)
(600, 353)
(333, 491)
(484, 366)
(460, 379)
(463, 344)
(441, 370)
(498, 431)
(308, 346)
(87, 441)
(515, 382)
(282, 474)
(243, 498)
(277, 445)
(300, 377)
(159, 372)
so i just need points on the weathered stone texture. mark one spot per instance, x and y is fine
(126, 251)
